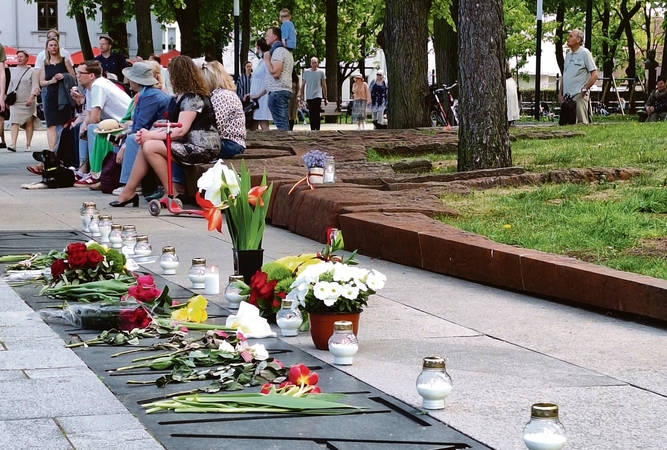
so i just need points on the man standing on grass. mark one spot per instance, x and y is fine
(579, 74)
(315, 87)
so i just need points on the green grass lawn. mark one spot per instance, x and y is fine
(622, 225)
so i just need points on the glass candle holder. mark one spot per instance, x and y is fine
(343, 344)
(168, 260)
(233, 293)
(105, 228)
(289, 319)
(544, 431)
(197, 273)
(86, 211)
(94, 225)
(434, 383)
(212, 281)
(330, 170)
(142, 247)
(129, 236)
(115, 236)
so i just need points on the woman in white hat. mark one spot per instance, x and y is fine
(361, 95)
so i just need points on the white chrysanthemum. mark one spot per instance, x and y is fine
(231, 180)
(376, 280)
(349, 291)
(211, 182)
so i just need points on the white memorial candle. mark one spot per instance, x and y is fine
(212, 281)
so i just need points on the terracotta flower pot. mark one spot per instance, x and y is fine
(321, 326)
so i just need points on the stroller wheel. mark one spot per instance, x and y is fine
(154, 208)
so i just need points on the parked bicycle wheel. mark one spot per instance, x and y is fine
(437, 119)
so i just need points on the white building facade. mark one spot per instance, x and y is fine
(24, 26)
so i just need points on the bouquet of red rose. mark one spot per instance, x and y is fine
(122, 317)
(268, 287)
(88, 262)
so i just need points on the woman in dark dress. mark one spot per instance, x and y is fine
(196, 142)
(51, 77)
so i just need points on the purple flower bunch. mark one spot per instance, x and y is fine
(315, 158)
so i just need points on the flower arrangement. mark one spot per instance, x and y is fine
(335, 287)
(83, 263)
(315, 158)
(268, 287)
(222, 189)
(122, 317)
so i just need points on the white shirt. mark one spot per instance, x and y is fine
(111, 99)
(41, 56)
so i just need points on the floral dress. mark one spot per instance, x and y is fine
(202, 143)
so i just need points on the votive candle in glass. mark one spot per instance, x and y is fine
(197, 273)
(434, 383)
(544, 431)
(212, 281)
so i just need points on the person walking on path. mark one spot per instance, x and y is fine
(56, 112)
(361, 96)
(39, 62)
(3, 92)
(23, 111)
(315, 89)
(579, 74)
(112, 62)
(279, 63)
(378, 90)
(287, 30)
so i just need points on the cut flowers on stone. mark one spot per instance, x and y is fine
(268, 287)
(124, 316)
(221, 189)
(83, 263)
(329, 287)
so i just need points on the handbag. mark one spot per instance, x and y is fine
(568, 111)
(10, 98)
(250, 106)
(110, 176)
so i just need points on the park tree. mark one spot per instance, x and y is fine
(142, 12)
(483, 135)
(446, 40)
(405, 41)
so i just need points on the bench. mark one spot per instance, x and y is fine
(331, 110)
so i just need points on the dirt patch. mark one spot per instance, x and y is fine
(654, 248)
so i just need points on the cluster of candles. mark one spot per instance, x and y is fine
(121, 237)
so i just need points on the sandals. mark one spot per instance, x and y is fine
(37, 170)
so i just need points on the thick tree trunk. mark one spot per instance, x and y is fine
(187, 18)
(245, 31)
(560, 36)
(483, 136)
(405, 37)
(113, 23)
(333, 93)
(142, 10)
(446, 47)
(84, 37)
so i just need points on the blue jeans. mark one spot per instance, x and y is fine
(230, 149)
(279, 107)
(81, 145)
(131, 151)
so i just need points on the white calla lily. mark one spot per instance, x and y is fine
(231, 180)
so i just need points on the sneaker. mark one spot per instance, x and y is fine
(3, 145)
(12, 148)
(118, 190)
(158, 194)
(86, 182)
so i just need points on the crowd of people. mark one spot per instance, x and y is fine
(110, 104)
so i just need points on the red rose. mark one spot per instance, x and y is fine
(145, 293)
(77, 260)
(58, 268)
(276, 304)
(93, 258)
(134, 318)
(258, 279)
(76, 247)
(145, 280)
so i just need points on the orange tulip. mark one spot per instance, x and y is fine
(255, 195)
(212, 214)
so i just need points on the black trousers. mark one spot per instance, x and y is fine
(314, 109)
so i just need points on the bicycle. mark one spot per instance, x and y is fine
(437, 112)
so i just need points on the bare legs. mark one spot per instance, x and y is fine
(263, 124)
(29, 129)
(52, 137)
(152, 152)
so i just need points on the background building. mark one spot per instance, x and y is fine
(24, 26)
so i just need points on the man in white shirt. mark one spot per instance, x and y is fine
(103, 100)
(579, 75)
(41, 56)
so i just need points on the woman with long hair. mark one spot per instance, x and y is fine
(50, 77)
(196, 142)
(229, 114)
(23, 111)
(261, 115)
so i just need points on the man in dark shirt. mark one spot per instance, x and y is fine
(112, 62)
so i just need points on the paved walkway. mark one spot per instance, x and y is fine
(504, 351)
